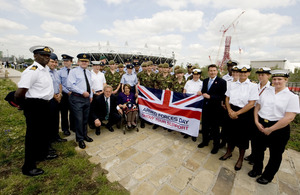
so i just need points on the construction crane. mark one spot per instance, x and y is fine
(224, 29)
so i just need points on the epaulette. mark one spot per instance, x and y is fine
(34, 67)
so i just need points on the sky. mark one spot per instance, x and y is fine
(191, 29)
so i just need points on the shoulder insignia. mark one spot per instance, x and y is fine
(34, 67)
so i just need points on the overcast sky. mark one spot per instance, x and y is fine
(192, 29)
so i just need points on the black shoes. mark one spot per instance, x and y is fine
(203, 144)
(142, 124)
(51, 156)
(237, 168)
(186, 136)
(88, 139)
(97, 132)
(67, 133)
(111, 129)
(81, 144)
(225, 158)
(215, 150)
(59, 139)
(254, 173)
(33, 172)
(250, 158)
(262, 180)
(155, 126)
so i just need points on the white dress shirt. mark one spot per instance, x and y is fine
(193, 87)
(98, 80)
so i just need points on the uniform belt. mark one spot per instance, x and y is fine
(267, 121)
(98, 91)
(37, 99)
(77, 94)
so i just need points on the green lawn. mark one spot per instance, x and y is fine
(71, 173)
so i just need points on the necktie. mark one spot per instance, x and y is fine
(68, 71)
(107, 109)
(87, 82)
(209, 83)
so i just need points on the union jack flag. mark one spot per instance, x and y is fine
(177, 111)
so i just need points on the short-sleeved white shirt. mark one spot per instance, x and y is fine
(38, 81)
(227, 77)
(261, 90)
(193, 87)
(241, 93)
(98, 80)
(274, 106)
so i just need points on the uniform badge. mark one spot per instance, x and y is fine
(34, 67)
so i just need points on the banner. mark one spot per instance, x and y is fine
(177, 111)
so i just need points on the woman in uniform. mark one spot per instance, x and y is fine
(240, 99)
(275, 110)
(129, 78)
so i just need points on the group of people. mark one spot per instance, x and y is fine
(100, 97)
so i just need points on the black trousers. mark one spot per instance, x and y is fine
(54, 117)
(80, 107)
(66, 113)
(113, 118)
(37, 116)
(210, 125)
(276, 142)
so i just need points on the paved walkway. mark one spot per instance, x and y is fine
(159, 162)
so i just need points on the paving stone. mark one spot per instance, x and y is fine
(198, 156)
(141, 157)
(110, 163)
(127, 154)
(269, 189)
(168, 152)
(224, 182)
(287, 189)
(93, 150)
(166, 189)
(175, 162)
(213, 163)
(125, 169)
(162, 175)
(191, 146)
(286, 167)
(239, 191)
(203, 180)
(191, 191)
(143, 145)
(182, 178)
(112, 177)
(128, 182)
(143, 171)
(130, 142)
(153, 150)
(243, 180)
(144, 188)
(95, 160)
(108, 153)
(287, 178)
(191, 164)
(157, 159)
(182, 153)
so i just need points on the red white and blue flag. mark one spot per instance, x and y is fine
(177, 111)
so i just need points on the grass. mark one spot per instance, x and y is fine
(71, 173)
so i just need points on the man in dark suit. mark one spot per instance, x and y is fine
(213, 91)
(104, 107)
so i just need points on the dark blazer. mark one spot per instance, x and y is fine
(216, 92)
(98, 107)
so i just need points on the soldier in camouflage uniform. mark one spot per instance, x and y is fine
(113, 77)
(164, 79)
(147, 78)
(179, 82)
(121, 69)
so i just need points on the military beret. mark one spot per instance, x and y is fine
(264, 70)
(176, 67)
(232, 63)
(280, 73)
(189, 65)
(44, 50)
(53, 56)
(111, 62)
(66, 57)
(244, 68)
(102, 64)
(235, 68)
(10, 98)
(150, 63)
(179, 70)
(83, 56)
(120, 66)
(129, 66)
(170, 65)
(102, 57)
(160, 65)
(197, 71)
(144, 64)
(165, 65)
